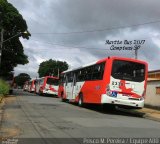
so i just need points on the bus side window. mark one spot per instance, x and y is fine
(76, 75)
(74, 79)
(84, 74)
(89, 73)
(66, 80)
(80, 76)
(70, 77)
(102, 70)
(41, 81)
(63, 79)
(98, 71)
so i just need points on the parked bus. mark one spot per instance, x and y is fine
(37, 85)
(113, 80)
(26, 85)
(47, 85)
(31, 86)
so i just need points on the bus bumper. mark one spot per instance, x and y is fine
(50, 92)
(105, 99)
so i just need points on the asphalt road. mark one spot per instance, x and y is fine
(31, 116)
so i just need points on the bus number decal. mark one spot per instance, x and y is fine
(115, 83)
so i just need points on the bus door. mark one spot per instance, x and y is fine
(65, 85)
(77, 84)
(74, 90)
(68, 85)
(38, 86)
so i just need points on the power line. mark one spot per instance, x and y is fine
(99, 30)
(82, 47)
(67, 46)
(70, 52)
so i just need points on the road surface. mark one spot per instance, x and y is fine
(31, 116)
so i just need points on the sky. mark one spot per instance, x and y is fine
(76, 31)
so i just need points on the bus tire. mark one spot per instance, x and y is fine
(109, 107)
(62, 99)
(40, 93)
(80, 100)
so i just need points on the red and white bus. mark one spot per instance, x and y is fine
(47, 85)
(113, 80)
(31, 86)
(25, 86)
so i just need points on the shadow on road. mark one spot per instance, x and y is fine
(20, 92)
(106, 109)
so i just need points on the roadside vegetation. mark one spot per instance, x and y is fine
(4, 89)
(12, 27)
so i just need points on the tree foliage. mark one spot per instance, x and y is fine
(52, 67)
(13, 24)
(21, 79)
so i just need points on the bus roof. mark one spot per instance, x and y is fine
(48, 77)
(105, 59)
(122, 58)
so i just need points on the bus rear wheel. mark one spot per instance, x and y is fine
(109, 107)
(62, 97)
(40, 93)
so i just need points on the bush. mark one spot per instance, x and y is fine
(4, 88)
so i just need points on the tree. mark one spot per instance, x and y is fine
(21, 79)
(13, 25)
(52, 67)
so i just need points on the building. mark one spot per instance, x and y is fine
(153, 89)
(154, 74)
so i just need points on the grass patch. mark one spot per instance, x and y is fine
(4, 89)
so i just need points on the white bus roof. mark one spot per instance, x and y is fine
(89, 64)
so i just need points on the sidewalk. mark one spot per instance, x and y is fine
(147, 113)
(150, 113)
(1, 112)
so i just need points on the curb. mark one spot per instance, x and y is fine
(1, 98)
(133, 112)
(2, 103)
(142, 114)
(149, 116)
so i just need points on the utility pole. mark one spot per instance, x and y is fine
(1, 45)
(136, 53)
(1, 35)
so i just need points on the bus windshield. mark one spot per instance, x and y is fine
(52, 81)
(127, 70)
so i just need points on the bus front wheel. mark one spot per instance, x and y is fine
(62, 97)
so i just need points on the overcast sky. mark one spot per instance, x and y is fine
(75, 31)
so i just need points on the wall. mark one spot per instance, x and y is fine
(152, 98)
(154, 75)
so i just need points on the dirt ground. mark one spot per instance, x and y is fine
(7, 130)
